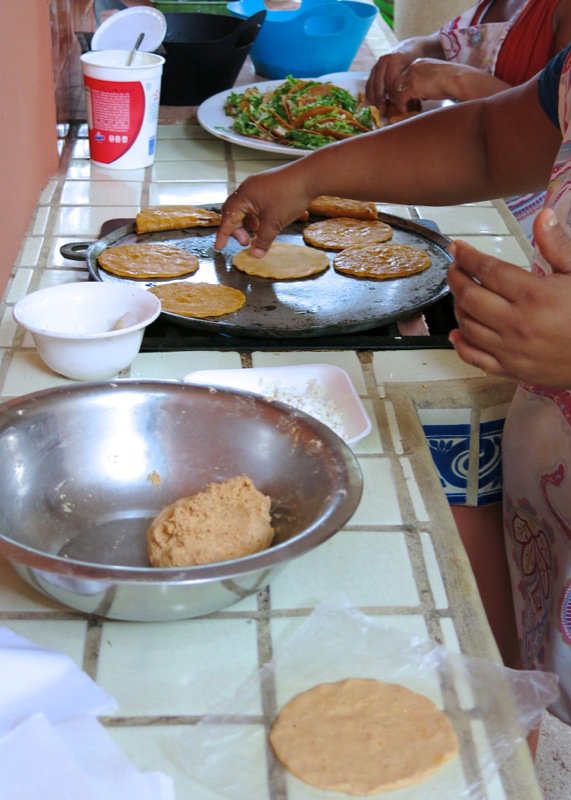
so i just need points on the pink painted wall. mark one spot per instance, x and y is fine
(28, 140)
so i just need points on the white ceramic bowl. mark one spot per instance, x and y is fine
(87, 331)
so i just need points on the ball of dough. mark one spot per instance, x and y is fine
(226, 521)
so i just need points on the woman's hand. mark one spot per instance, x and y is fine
(262, 206)
(387, 71)
(384, 76)
(433, 79)
(512, 322)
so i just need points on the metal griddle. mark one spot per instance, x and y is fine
(326, 304)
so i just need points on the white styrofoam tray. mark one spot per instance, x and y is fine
(322, 390)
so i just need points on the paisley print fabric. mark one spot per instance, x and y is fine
(465, 41)
(537, 482)
(513, 51)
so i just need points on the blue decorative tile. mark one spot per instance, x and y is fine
(490, 464)
(450, 449)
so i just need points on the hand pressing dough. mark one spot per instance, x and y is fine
(226, 521)
(362, 736)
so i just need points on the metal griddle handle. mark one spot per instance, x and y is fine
(75, 251)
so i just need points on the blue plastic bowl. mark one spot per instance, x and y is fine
(320, 36)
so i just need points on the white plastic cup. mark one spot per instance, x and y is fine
(122, 107)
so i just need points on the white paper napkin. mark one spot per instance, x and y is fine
(34, 680)
(51, 744)
(75, 759)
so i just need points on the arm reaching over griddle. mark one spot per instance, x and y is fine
(481, 149)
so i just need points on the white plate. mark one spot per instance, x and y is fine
(324, 391)
(211, 114)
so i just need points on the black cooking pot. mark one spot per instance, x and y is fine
(204, 54)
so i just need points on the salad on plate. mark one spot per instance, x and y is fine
(304, 114)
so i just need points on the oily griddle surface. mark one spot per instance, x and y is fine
(325, 304)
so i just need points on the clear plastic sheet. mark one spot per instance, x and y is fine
(227, 756)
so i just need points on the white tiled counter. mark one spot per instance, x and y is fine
(399, 559)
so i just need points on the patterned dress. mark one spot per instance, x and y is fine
(513, 51)
(537, 475)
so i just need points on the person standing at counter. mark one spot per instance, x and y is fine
(511, 322)
(493, 45)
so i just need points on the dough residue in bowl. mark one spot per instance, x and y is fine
(228, 520)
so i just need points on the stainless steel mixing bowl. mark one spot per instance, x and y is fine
(85, 468)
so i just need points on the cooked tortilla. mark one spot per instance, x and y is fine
(382, 261)
(147, 261)
(342, 232)
(362, 736)
(329, 206)
(166, 218)
(199, 300)
(283, 262)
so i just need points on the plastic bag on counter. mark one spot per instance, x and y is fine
(491, 707)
